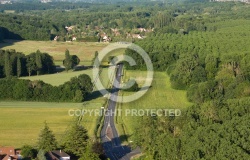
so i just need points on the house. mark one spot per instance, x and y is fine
(9, 153)
(115, 31)
(142, 29)
(106, 39)
(56, 38)
(74, 38)
(138, 36)
(70, 28)
(57, 155)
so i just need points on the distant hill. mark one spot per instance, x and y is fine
(102, 1)
(245, 1)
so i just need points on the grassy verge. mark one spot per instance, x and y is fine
(159, 96)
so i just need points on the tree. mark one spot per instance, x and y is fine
(85, 83)
(48, 63)
(76, 139)
(19, 67)
(28, 152)
(7, 65)
(47, 140)
(89, 154)
(41, 155)
(95, 60)
(38, 62)
(31, 63)
(74, 61)
(67, 62)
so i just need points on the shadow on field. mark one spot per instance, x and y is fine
(98, 94)
(145, 88)
(124, 138)
(9, 37)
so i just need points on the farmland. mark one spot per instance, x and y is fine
(84, 50)
(21, 121)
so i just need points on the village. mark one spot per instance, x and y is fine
(11, 153)
(102, 35)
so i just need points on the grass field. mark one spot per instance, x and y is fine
(159, 96)
(60, 78)
(84, 50)
(21, 122)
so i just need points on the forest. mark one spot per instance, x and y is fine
(92, 21)
(213, 66)
(14, 65)
(203, 47)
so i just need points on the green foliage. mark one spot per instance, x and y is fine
(38, 62)
(28, 152)
(70, 61)
(7, 65)
(74, 90)
(89, 154)
(19, 67)
(46, 141)
(41, 155)
(13, 63)
(96, 60)
(76, 140)
(67, 61)
(75, 60)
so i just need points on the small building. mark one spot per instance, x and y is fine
(57, 155)
(56, 38)
(138, 36)
(9, 153)
(74, 38)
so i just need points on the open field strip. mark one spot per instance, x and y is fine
(21, 122)
(60, 78)
(84, 50)
(159, 96)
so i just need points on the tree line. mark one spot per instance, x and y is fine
(45, 24)
(75, 90)
(17, 64)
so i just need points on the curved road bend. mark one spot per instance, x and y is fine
(109, 135)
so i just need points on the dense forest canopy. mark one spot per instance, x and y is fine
(119, 21)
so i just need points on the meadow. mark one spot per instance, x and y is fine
(159, 96)
(21, 122)
(84, 50)
(60, 78)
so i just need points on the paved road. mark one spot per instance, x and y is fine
(110, 138)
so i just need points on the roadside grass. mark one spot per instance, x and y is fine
(159, 96)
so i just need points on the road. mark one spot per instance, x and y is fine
(109, 135)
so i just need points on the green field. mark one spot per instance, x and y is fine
(84, 50)
(60, 78)
(159, 96)
(21, 121)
